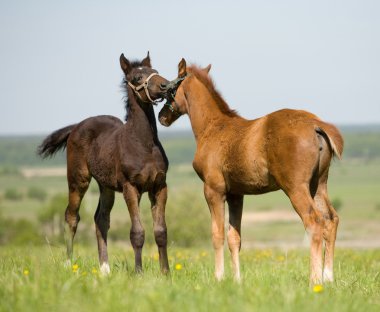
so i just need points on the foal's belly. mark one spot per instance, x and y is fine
(252, 179)
(251, 186)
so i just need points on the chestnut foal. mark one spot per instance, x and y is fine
(288, 149)
(123, 157)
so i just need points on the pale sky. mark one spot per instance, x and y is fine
(59, 60)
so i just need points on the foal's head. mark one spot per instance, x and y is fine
(176, 104)
(145, 81)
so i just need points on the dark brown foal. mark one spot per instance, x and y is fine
(123, 157)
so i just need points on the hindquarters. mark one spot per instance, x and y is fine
(299, 158)
(300, 148)
(86, 156)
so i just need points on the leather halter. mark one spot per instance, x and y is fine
(145, 86)
(173, 108)
(172, 90)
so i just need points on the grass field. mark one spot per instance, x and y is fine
(273, 262)
(36, 280)
(274, 256)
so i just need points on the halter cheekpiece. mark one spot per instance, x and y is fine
(145, 86)
(172, 90)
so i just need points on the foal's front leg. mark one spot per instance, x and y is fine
(215, 201)
(137, 234)
(158, 201)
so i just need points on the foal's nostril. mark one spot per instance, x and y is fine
(163, 85)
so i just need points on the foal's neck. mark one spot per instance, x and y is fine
(203, 111)
(140, 117)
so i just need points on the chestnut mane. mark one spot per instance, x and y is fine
(206, 80)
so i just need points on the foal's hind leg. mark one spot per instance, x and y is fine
(331, 221)
(137, 234)
(158, 201)
(78, 185)
(102, 225)
(216, 201)
(312, 219)
(235, 206)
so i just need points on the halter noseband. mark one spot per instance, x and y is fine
(145, 86)
(172, 108)
(172, 90)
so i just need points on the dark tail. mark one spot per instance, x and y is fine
(54, 142)
(332, 136)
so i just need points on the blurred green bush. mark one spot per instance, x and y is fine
(37, 193)
(18, 232)
(13, 194)
(188, 219)
(337, 203)
(52, 218)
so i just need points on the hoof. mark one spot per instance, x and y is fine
(105, 269)
(328, 276)
(67, 263)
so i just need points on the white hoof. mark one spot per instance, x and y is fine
(105, 269)
(67, 263)
(219, 276)
(328, 275)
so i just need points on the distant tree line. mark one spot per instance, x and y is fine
(361, 142)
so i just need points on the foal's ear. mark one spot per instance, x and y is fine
(182, 68)
(124, 64)
(207, 68)
(146, 61)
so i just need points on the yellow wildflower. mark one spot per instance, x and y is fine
(26, 272)
(75, 267)
(178, 266)
(318, 288)
(94, 271)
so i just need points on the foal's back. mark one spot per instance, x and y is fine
(271, 152)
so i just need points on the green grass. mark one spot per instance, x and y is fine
(272, 281)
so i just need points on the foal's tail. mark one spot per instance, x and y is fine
(54, 142)
(333, 137)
